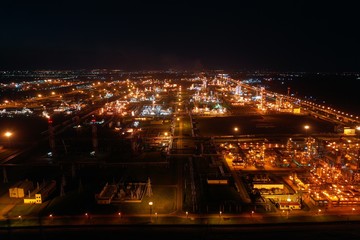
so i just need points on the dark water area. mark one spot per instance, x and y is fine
(340, 92)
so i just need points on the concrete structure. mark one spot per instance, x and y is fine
(268, 185)
(217, 181)
(289, 205)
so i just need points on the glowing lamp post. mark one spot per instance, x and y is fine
(8, 135)
(307, 138)
(288, 210)
(150, 206)
(306, 127)
(236, 130)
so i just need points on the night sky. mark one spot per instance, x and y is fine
(192, 35)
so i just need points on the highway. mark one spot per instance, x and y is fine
(328, 231)
(178, 218)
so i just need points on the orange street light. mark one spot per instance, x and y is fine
(306, 127)
(8, 134)
(150, 205)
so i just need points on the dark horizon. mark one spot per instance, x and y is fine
(299, 36)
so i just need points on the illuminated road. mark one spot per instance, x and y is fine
(252, 227)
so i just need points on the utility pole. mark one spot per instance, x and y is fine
(5, 175)
(94, 136)
(51, 137)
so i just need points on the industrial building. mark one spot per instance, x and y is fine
(21, 188)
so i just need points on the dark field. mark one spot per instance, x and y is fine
(25, 129)
(262, 124)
